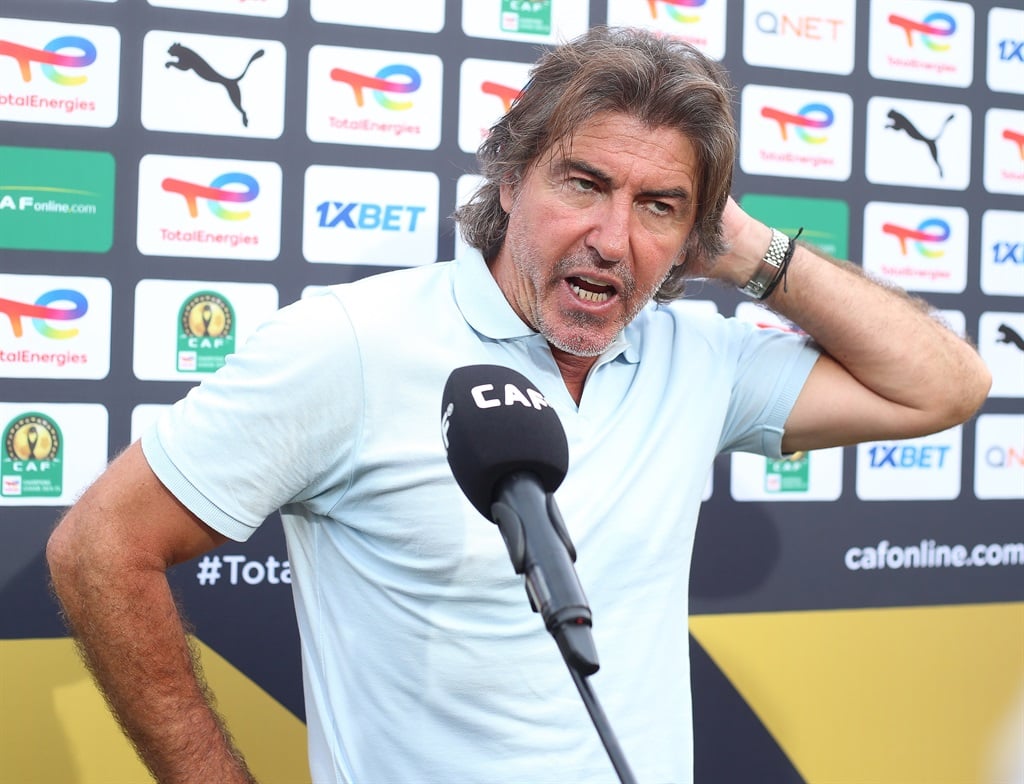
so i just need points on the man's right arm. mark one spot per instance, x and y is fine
(108, 559)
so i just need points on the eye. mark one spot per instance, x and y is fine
(582, 184)
(659, 207)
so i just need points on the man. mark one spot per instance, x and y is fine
(606, 187)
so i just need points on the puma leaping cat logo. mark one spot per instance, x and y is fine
(188, 60)
(900, 123)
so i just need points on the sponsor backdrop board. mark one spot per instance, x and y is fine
(171, 171)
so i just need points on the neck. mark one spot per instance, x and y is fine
(574, 370)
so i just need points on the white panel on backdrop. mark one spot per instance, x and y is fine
(918, 143)
(1005, 58)
(698, 22)
(1002, 253)
(796, 133)
(917, 246)
(926, 468)
(1001, 345)
(212, 84)
(999, 456)
(54, 326)
(209, 208)
(51, 451)
(167, 349)
(925, 41)
(374, 98)
(143, 417)
(80, 89)
(1004, 151)
(801, 35)
(271, 8)
(425, 16)
(533, 21)
(465, 187)
(486, 91)
(370, 216)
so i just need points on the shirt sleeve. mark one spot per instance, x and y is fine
(277, 424)
(772, 366)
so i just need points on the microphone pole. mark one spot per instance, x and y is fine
(508, 453)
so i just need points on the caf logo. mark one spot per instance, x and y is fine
(31, 464)
(206, 336)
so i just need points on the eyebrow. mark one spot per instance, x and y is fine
(565, 165)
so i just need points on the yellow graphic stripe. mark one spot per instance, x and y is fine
(913, 695)
(55, 727)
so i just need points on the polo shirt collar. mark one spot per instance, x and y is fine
(486, 310)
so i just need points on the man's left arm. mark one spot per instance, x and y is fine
(890, 369)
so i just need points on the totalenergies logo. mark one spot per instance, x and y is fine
(675, 9)
(52, 56)
(1015, 137)
(216, 194)
(503, 92)
(43, 311)
(811, 116)
(933, 28)
(929, 232)
(389, 80)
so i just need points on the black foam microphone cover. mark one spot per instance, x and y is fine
(495, 422)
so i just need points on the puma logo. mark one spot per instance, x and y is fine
(1009, 335)
(188, 60)
(899, 122)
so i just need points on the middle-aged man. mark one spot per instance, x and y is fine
(606, 186)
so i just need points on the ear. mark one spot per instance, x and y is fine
(507, 195)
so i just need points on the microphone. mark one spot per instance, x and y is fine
(508, 452)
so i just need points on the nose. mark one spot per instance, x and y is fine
(609, 235)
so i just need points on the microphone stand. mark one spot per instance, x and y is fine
(568, 617)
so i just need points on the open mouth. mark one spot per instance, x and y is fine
(591, 290)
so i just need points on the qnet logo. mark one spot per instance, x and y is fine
(924, 41)
(801, 35)
(209, 207)
(60, 74)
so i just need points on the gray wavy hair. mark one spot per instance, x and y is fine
(660, 81)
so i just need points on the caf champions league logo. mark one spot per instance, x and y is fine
(31, 465)
(206, 335)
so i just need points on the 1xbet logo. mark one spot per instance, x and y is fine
(43, 310)
(810, 116)
(389, 80)
(55, 54)
(932, 29)
(216, 194)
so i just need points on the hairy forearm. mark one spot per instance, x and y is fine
(134, 642)
(892, 343)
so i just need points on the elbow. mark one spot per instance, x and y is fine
(966, 398)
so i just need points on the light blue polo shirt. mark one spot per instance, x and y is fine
(422, 661)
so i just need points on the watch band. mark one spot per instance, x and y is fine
(770, 268)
